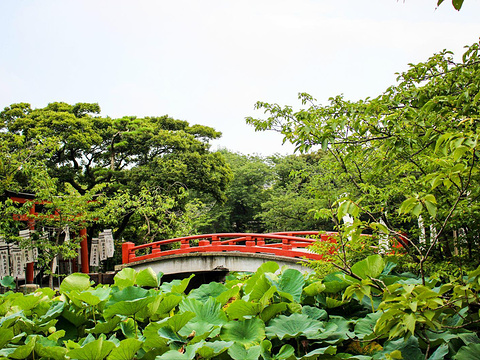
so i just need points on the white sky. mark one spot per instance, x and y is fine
(209, 61)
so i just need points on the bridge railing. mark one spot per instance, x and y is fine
(291, 244)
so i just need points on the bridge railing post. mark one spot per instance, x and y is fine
(260, 241)
(156, 249)
(184, 244)
(250, 243)
(215, 241)
(286, 245)
(127, 253)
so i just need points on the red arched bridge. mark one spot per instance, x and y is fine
(226, 252)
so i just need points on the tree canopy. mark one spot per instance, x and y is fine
(138, 170)
(410, 153)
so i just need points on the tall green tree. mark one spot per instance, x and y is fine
(130, 154)
(249, 189)
(409, 152)
(300, 184)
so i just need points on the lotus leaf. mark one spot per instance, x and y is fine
(371, 267)
(314, 312)
(176, 286)
(329, 350)
(261, 287)
(48, 349)
(49, 293)
(94, 297)
(209, 311)
(272, 310)
(205, 291)
(125, 278)
(469, 352)
(75, 281)
(364, 326)
(208, 350)
(293, 326)
(170, 336)
(337, 329)
(294, 307)
(334, 283)
(267, 267)
(176, 355)
(152, 308)
(330, 302)
(238, 352)
(128, 302)
(198, 330)
(56, 335)
(27, 302)
(248, 332)
(129, 328)
(291, 281)
(7, 321)
(147, 278)
(152, 340)
(94, 350)
(228, 295)
(241, 308)
(178, 321)
(21, 352)
(266, 298)
(126, 350)
(8, 282)
(314, 288)
(74, 316)
(286, 351)
(105, 327)
(55, 310)
(5, 336)
(169, 302)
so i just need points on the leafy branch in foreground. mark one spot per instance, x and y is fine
(410, 154)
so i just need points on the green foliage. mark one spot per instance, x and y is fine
(271, 314)
(135, 170)
(8, 282)
(404, 158)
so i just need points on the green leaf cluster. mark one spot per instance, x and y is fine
(406, 160)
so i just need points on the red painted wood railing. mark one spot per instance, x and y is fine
(290, 244)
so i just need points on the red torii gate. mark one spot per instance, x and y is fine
(23, 198)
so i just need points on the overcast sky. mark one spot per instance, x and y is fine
(209, 61)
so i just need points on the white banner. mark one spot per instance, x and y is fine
(109, 243)
(25, 234)
(18, 261)
(4, 259)
(102, 249)
(34, 252)
(30, 254)
(94, 261)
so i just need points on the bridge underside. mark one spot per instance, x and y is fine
(214, 261)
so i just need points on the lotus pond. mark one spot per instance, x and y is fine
(274, 313)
